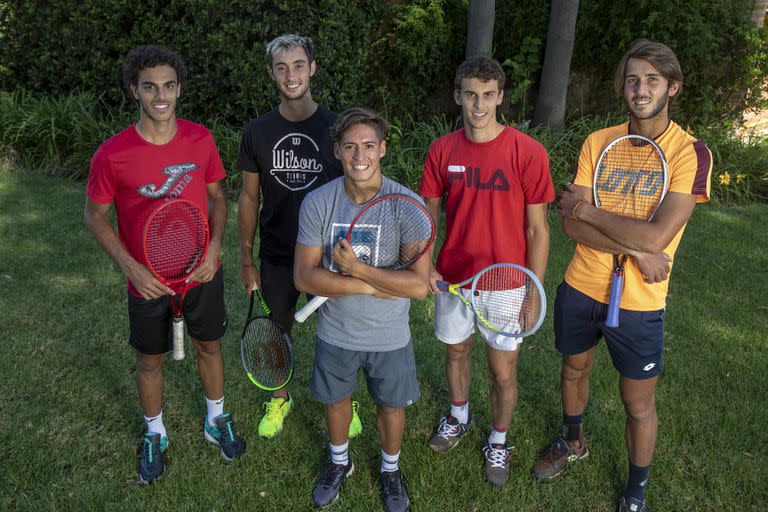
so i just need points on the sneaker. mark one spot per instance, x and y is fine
(448, 433)
(556, 460)
(222, 434)
(355, 426)
(496, 466)
(276, 411)
(152, 461)
(327, 487)
(394, 492)
(632, 505)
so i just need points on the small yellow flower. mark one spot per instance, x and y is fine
(740, 178)
(725, 178)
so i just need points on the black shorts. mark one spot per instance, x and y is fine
(636, 345)
(204, 315)
(278, 288)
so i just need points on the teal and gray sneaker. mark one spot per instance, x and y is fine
(222, 434)
(152, 461)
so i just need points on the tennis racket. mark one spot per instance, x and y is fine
(392, 232)
(266, 349)
(506, 298)
(175, 243)
(630, 180)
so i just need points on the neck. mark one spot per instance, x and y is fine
(156, 132)
(298, 110)
(361, 193)
(485, 134)
(650, 128)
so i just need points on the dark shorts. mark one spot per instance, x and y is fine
(278, 288)
(204, 315)
(636, 345)
(391, 375)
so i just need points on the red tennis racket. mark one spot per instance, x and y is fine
(392, 231)
(175, 243)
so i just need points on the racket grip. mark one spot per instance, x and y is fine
(178, 339)
(617, 284)
(309, 308)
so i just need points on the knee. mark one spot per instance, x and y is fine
(640, 409)
(575, 370)
(461, 352)
(208, 348)
(149, 363)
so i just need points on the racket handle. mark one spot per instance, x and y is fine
(617, 284)
(178, 338)
(442, 285)
(310, 308)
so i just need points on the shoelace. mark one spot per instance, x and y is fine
(151, 451)
(447, 430)
(496, 456)
(333, 475)
(272, 408)
(392, 484)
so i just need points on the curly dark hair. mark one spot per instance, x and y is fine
(359, 115)
(150, 56)
(483, 68)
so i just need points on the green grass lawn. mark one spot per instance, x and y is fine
(71, 420)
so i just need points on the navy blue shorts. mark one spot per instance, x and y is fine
(636, 345)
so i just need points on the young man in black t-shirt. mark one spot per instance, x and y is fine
(284, 155)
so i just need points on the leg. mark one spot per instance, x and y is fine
(503, 393)
(390, 422)
(210, 367)
(642, 422)
(149, 382)
(574, 381)
(458, 369)
(338, 417)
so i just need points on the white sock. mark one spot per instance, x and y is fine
(497, 436)
(214, 408)
(389, 462)
(340, 453)
(460, 412)
(156, 425)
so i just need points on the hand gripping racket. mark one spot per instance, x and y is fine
(630, 180)
(506, 298)
(266, 349)
(392, 232)
(175, 243)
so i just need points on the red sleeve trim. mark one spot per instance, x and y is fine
(704, 164)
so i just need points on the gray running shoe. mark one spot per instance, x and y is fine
(448, 433)
(394, 492)
(496, 466)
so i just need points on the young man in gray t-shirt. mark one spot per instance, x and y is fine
(365, 324)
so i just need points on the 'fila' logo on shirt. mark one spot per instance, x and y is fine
(175, 174)
(471, 178)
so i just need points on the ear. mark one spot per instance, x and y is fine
(134, 92)
(178, 91)
(312, 68)
(501, 97)
(674, 88)
(457, 96)
(383, 149)
(271, 73)
(336, 151)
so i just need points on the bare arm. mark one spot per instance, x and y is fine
(97, 220)
(247, 223)
(537, 239)
(310, 277)
(433, 207)
(217, 220)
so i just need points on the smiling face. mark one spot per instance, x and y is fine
(646, 91)
(360, 151)
(157, 90)
(291, 71)
(478, 100)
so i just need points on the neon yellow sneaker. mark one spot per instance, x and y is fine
(276, 411)
(355, 426)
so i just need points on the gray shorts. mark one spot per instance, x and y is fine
(391, 375)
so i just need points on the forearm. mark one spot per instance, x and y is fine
(411, 282)
(589, 235)
(323, 282)
(247, 221)
(104, 233)
(537, 243)
(217, 220)
(628, 233)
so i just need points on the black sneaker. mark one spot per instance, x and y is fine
(328, 485)
(222, 434)
(448, 433)
(394, 492)
(632, 505)
(559, 457)
(152, 460)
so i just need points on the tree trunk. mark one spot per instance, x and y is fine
(482, 14)
(550, 104)
(758, 13)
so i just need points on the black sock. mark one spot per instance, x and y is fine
(638, 477)
(572, 427)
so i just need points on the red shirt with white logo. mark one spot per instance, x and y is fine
(486, 187)
(138, 176)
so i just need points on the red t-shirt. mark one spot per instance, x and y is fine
(487, 187)
(137, 176)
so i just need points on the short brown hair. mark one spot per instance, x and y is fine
(359, 115)
(658, 55)
(483, 68)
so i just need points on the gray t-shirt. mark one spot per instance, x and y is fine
(354, 322)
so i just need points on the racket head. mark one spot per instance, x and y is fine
(175, 240)
(393, 231)
(630, 178)
(266, 350)
(508, 299)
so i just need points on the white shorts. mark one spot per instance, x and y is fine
(455, 322)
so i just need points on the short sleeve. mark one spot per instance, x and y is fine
(215, 171)
(586, 167)
(246, 157)
(310, 222)
(536, 179)
(431, 184)
(101, 179)
(691, 171)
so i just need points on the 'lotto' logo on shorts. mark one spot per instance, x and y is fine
(649, 367)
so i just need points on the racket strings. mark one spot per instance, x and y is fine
(176, 238)
(630, 179)
(267, 353)
(506, 300)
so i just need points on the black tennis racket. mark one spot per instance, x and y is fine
(266, 349)
(630, 180)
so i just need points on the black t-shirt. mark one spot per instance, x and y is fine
(292, 158)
